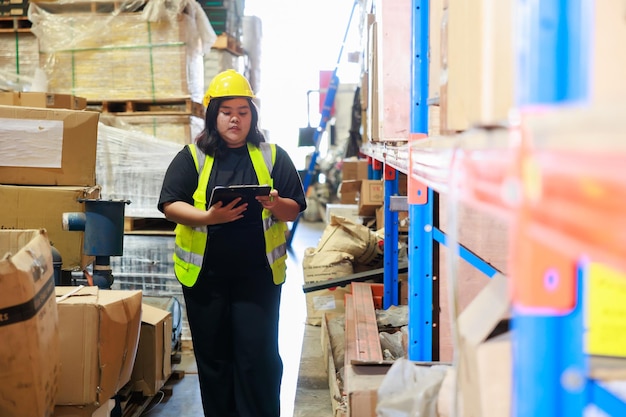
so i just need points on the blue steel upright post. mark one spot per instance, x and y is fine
(552, 67)
(390, 267)
(421, 216)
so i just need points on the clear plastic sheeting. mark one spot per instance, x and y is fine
(132, 165)
(19, 60)
(181, 129)
(127, 50)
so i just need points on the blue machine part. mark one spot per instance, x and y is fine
(104, 227)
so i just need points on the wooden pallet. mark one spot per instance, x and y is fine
(229, 43)
(170, 106)
(10, 24)
(146, 225)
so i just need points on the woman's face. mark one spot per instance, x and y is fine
(233, 121)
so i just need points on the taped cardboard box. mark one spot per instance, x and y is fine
(153, 363)
(26, 207)
(48, 146)
(29, 352)
(99, 334)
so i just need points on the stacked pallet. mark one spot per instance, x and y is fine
(140, 65)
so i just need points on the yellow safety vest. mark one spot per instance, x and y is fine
(191, 241)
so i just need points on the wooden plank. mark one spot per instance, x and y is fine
(366, 329)
(350, 335)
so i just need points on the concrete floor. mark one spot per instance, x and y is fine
(305, 390)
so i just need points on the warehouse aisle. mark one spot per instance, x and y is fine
(304, 388)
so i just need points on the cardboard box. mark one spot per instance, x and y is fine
(47, 146)
(349, 191)
(52, 100)
(372, 196)
(84, 411)
(99, 334)
(153, 363)
(361, 385)
(10, 98)
(29, 351)
(354, 170)
(25, 207)
(485, 359)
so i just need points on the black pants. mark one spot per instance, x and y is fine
(233, 318)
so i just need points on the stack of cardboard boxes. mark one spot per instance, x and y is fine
(71, 355)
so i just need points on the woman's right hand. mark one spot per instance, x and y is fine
(184, 213)
(220, 213)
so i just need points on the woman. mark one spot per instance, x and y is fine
(230, 258)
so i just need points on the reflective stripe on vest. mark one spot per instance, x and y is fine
(191, 241)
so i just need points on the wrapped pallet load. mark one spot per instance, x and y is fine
(126, 50)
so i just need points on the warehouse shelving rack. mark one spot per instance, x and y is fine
(564, 204)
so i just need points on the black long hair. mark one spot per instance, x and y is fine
(210, 141)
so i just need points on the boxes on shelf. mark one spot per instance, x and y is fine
(153, 363)
(27, 207)
(354, 169)
(389, 72)
(47, 146)
(99, 334)
(29, 352)
(372, 196)
(477, 64)
(367, 194)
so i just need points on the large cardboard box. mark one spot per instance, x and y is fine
(153, 364)
(25, 207)
(485, 358)
(99, 333)
(47, 146)
(29, 347)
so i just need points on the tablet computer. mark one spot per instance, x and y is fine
(246, 192)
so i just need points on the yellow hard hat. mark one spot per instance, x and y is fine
(228, 83)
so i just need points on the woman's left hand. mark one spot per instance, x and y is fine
(269, 201)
